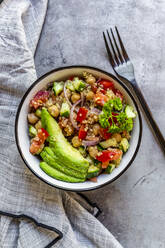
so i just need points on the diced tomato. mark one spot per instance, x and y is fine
(103, 91)
(94, 87)
(104, 133)
(104, 165)
(107, 84)
(118, 154)
(38, 141)
(81, 115)
(35, 147)
(109, 155)
(93, 179)
(119, 94)
(100, 99)
(42, 134)
(82, 133)
(40, 98)
(114, 118)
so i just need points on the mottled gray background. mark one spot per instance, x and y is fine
(133, 206)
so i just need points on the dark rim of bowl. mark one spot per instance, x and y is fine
(72, 67)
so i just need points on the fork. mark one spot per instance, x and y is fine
(123, 67)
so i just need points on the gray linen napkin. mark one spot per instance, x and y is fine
(33, 214)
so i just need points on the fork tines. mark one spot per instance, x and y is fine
(117, 55)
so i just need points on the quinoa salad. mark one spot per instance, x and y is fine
(79, 127)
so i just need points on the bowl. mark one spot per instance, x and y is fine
(22, 138)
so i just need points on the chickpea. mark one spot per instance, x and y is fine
(90, 95)
(32, 118)
(76, 142)
(93, 151)
(96, 129)
(117, 136)
(49, 102)
(90, 79)
(75, 97)
(53, 110)
(38, 125)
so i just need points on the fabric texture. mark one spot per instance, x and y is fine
(33, 214)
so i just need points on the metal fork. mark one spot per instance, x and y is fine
(123, 67)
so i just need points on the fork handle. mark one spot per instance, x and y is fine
(146, 109)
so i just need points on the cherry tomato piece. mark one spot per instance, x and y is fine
(107, 84)
(100, 99)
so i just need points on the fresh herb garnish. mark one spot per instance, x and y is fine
(115, 121)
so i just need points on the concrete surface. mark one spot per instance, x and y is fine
(133, 206)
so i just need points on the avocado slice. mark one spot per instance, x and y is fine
(48, 156)
(65, 153)
(58, 174)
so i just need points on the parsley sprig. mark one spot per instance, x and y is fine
(107, 117)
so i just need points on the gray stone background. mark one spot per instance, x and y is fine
(133, 206)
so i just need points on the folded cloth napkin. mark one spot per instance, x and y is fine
(33, 214)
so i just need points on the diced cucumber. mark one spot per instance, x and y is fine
(65, 109)
(130, 112)
(58, 87)
(124, 145)
(78, 84)
(93, 171)
(38, 113)
(99, 148)
(108, 143)
(32, 131)
(69, 85)
(110, 168)
(82, 151)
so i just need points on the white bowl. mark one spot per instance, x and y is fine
(22, 138)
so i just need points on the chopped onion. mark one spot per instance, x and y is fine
(98, 80)
(71, 114)
(65, 94)
(95, 111)
(91, 142)
(82, 99)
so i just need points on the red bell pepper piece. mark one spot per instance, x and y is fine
(82, 133)
(81, 115)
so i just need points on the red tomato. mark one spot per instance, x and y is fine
(93, 179)
(109, 155)
(107, 84)
(100, 99)
(104, 133)
(119, 94)
(35, 147)
(82, 133)
(102, 91)
(42, 135)
(40, 98)
(81, 115)
(104, 165)
(38, 141)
